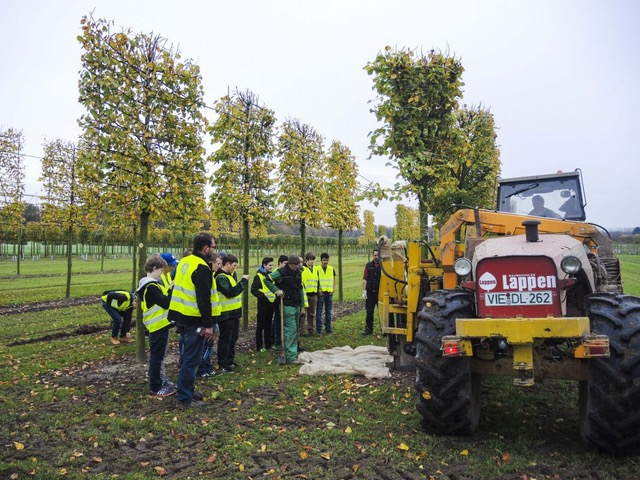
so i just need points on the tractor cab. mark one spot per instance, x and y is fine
(558, 195)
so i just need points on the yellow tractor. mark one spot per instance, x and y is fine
(529, 290)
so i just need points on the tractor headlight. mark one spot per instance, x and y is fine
(462, 267)
(571, 264)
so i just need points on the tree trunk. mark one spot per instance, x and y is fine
(69, 261)
(19, 251)
(142, 254)
(303, 237)
(340, 298)
(245, 271)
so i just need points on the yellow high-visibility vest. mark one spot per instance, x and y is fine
(115, 303)
(216, 306)
(232, 303)
(310, 278)
(154, 318)
(183, 297)
(326, 279)
(267, 293)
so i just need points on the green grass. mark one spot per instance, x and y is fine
(78, 406)
(630, 265)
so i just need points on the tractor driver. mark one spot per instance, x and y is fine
(539, 210)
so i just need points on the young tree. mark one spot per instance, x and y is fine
(142, 143)
(474, 165)
(369, 236)
(417, 98)
(12, 206)
(301, 189)
(242, 183)
(407, 223)
(341, 189)
(60, 182)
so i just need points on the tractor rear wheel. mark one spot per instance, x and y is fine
(610, 398)
(449, 393)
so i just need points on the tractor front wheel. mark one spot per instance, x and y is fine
(610, 398)
(448, 392)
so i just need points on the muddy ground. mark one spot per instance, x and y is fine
(100, 379)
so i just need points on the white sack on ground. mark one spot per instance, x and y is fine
(368, 360)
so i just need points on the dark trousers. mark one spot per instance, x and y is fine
(229, 333)
(193, 344)
(205, 363)
(158, 341)
(263, 324)
(370, 305)
(275, 325)
(119, 320)
(325, 301)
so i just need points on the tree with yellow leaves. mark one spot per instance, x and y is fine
(141, 149)
(341, 189)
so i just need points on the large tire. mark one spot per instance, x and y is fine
(610, 399)
(448, 393)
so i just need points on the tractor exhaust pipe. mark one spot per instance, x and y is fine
(531, 230)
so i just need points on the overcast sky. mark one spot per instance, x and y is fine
(562, 78)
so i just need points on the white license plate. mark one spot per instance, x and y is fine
(504, 299)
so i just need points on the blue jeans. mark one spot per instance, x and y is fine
(325, 301)
(119, 320)
(158, 341)
(193, 345)
(205, 362)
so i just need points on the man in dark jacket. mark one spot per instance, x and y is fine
(190, 310)
(370, 287)
(230, 293)
(286, 282)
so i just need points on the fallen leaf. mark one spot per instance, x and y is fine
(403, 446)
(506, 457)
(212, 458)
(426, 395)
(347, 430)
(160, 471)
(241, 467)
(303, 455)
(96, 459)
(355, 468)
(326, 456)
(19, 446)
(464, 452)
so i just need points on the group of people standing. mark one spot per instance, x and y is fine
(201, 296)
(291, 301)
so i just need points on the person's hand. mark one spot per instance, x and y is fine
(246, 277)
(364, 294)
(280, 293)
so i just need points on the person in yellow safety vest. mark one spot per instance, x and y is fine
(266, 305)
(190, 310)
(155, 296)
(205, 369)
(326, 286)
(310, 280)
(230, 293)
(119, 304)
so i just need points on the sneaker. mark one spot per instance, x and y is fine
(115, 341)
(224, 370)
(192, 404)
(206, 375)
(367, 332)
(165, 391)
(168, 383)
(127, 339)
(198, 396)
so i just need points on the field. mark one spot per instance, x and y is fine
(73, 405)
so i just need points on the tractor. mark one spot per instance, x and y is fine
(526, 291)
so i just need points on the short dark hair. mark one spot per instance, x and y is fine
(202, 240)
(229, 258)
(266, 260)
(324, 255)
(282, 258)
(309, 256)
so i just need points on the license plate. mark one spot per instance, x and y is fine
(504, 299)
